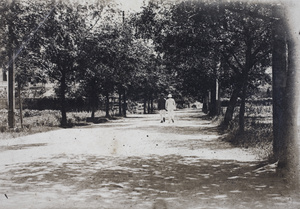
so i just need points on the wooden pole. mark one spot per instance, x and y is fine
(11, 94)
(11, 73)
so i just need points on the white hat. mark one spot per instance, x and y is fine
(170, 95)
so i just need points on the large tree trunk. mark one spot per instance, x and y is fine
(245, 73)
(279, 66)
(286, 146)
(11, 91)
(288, 162)
(230, 108)
(242, 108)
(11, 70)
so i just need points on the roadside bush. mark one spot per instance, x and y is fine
(35, 121)
(258, 134)
(257, 137)
(3, 129)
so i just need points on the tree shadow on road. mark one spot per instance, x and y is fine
(143, 179)
(183, 130)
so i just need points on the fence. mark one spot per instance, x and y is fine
(76, 104)
(263, 102)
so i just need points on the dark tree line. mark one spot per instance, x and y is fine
(84, 49)
(205, 45)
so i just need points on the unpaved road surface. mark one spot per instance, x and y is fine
(138, 163)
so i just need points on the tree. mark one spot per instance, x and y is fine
(97, 72)
(135, 64)
(23, 23)
(285, 94)
(202, 40)
(279, 66)
(27, 59)
(11, 45)
(148, 77)
(248, 52)
(60, 49)
(103, 58)
(183, 34)
(124, 63)
(95, 56)
(153, 76)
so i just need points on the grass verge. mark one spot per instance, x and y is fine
(258, 134)
(35, 121)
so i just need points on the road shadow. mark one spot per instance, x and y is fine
(21, 146)
(182, 130)
(210, 182)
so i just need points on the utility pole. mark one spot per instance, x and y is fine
(125, 46)
(11, 94)
(11, 73)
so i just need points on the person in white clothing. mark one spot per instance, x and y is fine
(170, 107)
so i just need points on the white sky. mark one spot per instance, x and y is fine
(131, 5)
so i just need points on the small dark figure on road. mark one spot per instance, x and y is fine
(170, 106)
(162, 108)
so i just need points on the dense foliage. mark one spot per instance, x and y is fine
(94, 51)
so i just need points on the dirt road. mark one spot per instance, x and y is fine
(137, 162)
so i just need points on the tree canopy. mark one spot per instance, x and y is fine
(184, 48)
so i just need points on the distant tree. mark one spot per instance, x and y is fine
(110, 58)
(95, 61)
(125, 63)
(183, 34)
(159, 76)
(148, 77)
(207, 42)
(97, 72)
